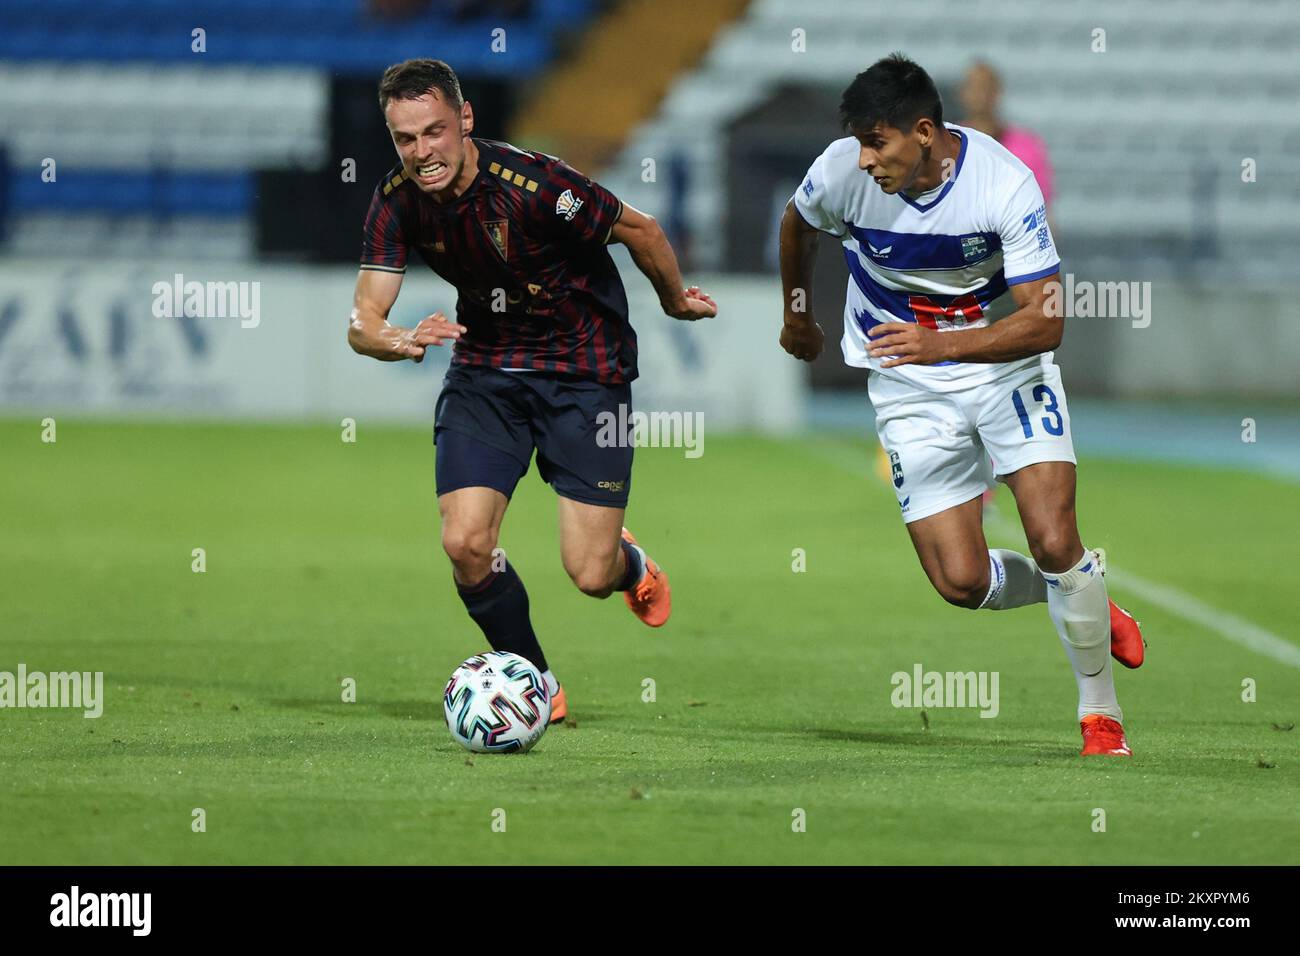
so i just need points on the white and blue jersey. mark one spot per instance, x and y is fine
(945, 259)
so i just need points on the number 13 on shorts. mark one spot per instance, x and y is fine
(1051, 420)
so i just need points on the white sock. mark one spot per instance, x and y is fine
(552, 685)
(1014, 581)
(1077, 602)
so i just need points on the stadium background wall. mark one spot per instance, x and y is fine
(88, 341)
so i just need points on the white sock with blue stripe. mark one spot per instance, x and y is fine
(1014, 581)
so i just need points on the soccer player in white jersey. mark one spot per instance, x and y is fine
(950, 259)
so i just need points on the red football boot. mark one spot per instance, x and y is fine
(1126, 642)
(1103, 736)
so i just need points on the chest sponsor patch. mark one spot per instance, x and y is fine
(498, 231)
(974, 248)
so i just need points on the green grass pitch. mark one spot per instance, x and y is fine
(772, 687)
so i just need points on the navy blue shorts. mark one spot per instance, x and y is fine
(488, 422)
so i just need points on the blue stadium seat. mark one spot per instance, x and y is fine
(333, 34)
(156, 193)
(146, 153)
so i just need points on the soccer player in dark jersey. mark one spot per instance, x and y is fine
(542, 345)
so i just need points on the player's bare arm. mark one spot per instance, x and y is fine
(654, 256)
(370, 333)
(801, 336)
(1027, 331)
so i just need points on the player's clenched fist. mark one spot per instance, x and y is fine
(802, 339)
(432, 330)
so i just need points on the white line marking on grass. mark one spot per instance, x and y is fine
(1227, 625)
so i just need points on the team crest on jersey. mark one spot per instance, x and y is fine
(497, 232)
(896, 469)
(974, 248)
(567, 205)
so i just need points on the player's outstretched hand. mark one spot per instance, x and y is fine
(905, 343)
(432, 330)
(803, 339)
(698, 305)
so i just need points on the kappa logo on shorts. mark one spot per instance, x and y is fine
(567, 205)
(896, 468)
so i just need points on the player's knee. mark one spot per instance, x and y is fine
(591, 577)
(592, 581)
(1056, 549)
(964, 587)
(468, 548)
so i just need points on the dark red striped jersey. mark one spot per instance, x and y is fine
(525, 247)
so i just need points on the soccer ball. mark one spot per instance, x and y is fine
(496, 703)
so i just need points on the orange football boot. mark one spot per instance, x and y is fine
(650, 599)
(1126, 642)
(1104, 736)
(559, 707)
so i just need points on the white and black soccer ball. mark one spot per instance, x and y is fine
(496, 703)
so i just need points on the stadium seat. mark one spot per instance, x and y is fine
(1142, 112)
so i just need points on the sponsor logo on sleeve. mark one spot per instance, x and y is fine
(567, 205)
(1036, 222)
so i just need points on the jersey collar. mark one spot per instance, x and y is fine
(961, 157)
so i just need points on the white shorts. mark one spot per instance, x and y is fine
(945, 448)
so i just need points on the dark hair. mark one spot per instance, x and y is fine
(414, 78)
(893, 91)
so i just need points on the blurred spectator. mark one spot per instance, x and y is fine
(4, 190)
(456, 9)
(479, 9)
(397, 9)
(980, 92)
(676, 222)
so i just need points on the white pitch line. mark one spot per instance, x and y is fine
(1225, 624)
(1229, 626)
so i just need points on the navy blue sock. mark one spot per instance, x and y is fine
(635, 569)
(499, 606)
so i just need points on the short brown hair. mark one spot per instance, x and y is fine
(414, 78)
